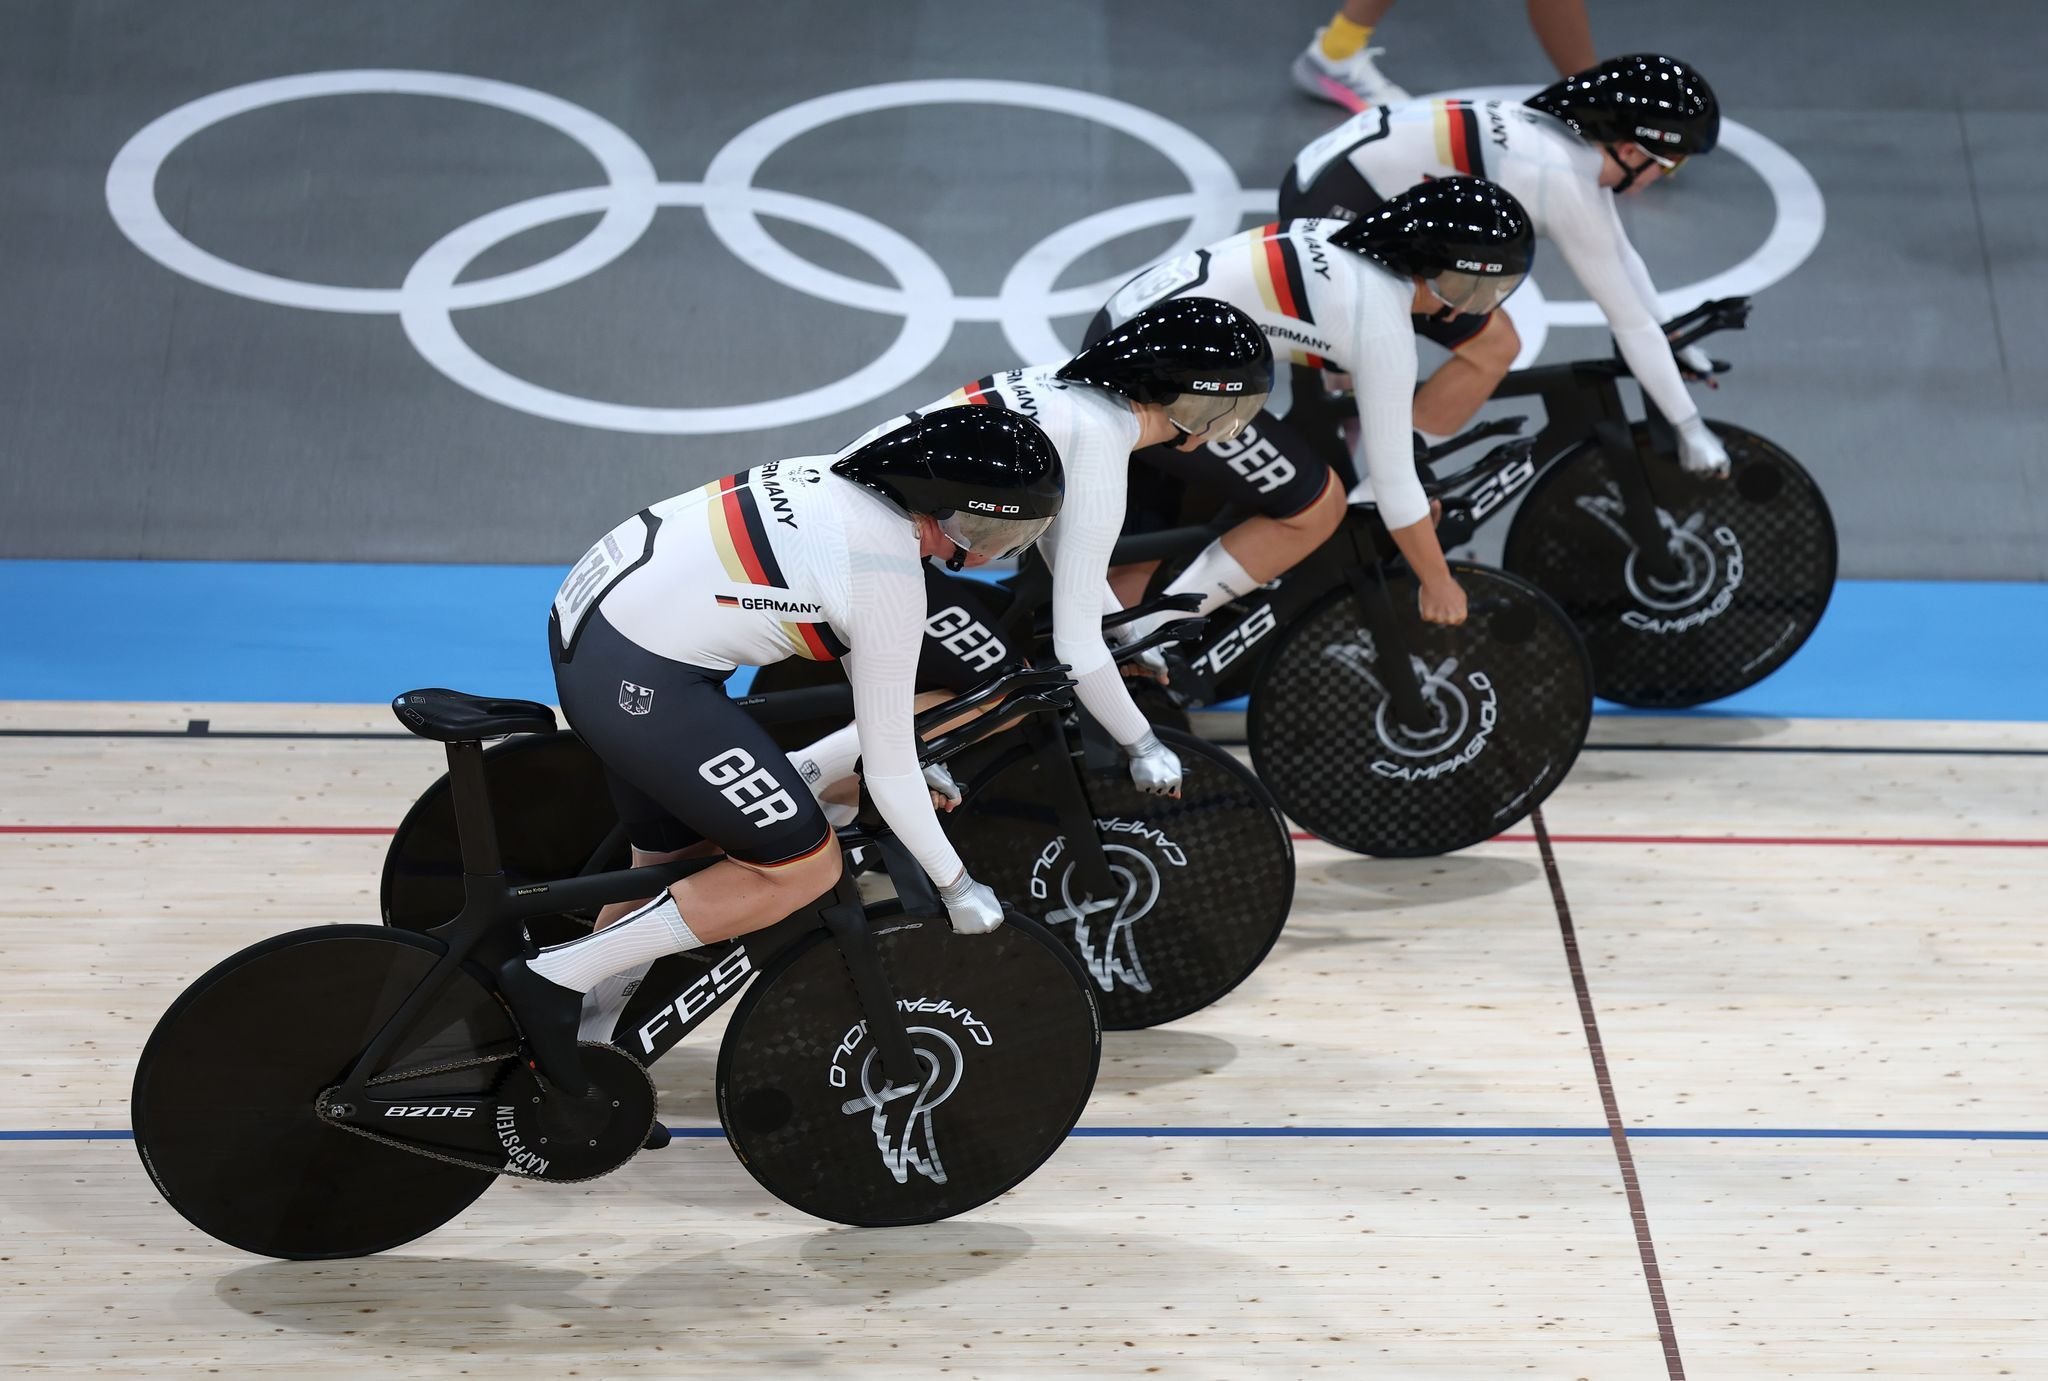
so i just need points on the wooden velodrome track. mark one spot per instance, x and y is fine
(1810, 976)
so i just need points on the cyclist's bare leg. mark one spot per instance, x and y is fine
(1445, 403)
(1566, 34)
(643, 858)
(1266, 547)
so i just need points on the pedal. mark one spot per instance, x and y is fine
(657, 1138)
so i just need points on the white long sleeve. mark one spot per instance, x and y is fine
(1095, 451)
(1587, 230)
(883, 619)
(1383, 374)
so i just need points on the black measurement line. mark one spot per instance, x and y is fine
(1617, 1133)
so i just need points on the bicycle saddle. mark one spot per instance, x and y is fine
(451, 717)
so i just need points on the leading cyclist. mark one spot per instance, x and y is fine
(1564, 154)
(1333, 294)
(818, 557)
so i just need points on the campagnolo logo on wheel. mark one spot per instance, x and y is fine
(1108, 945)
(1700, 591)
(901, 1118)
(1462, 708)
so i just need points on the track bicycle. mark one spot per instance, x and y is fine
(1167, 904)
(341, 1090)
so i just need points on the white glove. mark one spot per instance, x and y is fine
(971, 905)
(1696, 360)
(1700, 451)
(940, 780)
(1155, 768)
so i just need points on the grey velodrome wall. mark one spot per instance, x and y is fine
(144, 415)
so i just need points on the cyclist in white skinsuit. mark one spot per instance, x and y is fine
(1333, 294)
(1564, 179)
(820, 557)
(1183, 375)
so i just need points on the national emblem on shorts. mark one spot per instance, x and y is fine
(635, 699)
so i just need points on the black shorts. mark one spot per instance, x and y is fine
(1342, 191)
(963, 642)
(1268, 468)
(683, 761)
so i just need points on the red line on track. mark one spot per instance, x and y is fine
(196, 829)
(1763, 841)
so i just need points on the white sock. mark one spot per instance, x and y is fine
(643, 937)
(1215, 576)
(831, 759)
(603, 1004)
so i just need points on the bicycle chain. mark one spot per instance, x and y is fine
(324, 1105)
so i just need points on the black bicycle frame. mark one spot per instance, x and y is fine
(490, 902)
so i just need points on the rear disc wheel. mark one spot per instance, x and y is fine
(224, 1094)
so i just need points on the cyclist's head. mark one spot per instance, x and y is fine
(1204, 361)
(1659, 104)
(988, 477)
(1469, 240)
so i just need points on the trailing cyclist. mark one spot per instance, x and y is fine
(1339, 295)
(1564, 154)
(820, 558)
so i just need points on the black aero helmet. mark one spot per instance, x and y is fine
(1644, 98)
(1469, 239)
(1205, 361)
(990, 476)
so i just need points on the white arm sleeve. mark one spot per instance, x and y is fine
(1592, 241)
(882, 620)
(1383, 374)
(1077, 548)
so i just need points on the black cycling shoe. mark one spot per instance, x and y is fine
(657, 1137)
(548, 1014)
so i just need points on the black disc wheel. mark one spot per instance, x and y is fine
(1755, 566)
(554, 818)
(1007, 1039)
(225, 1092)
(1506, 699)
(1198, 887)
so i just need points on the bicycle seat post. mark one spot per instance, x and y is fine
(475, 830)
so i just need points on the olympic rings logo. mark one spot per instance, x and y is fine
(1026, 304)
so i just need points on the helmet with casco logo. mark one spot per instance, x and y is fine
(1469, 239)
(989, 476)
(1207, 363)
(1643, 98)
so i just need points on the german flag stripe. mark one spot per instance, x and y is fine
(983, 391)
(817, 641)
(728, 601)
(749, 534)
(1457, 137)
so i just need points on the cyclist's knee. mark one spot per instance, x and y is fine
(812, 874)
(1495, 346)
(1316, 522)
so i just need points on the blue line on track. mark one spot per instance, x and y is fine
(302, 631)
(1366, 1133)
